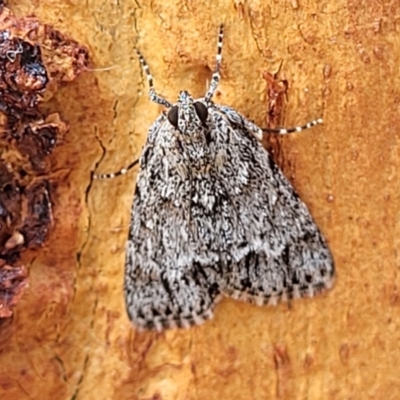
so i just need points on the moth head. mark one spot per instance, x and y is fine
(187, 115)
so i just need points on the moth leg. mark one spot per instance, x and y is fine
(236, 118)
(284, 131)
(257, 131)
(112, 175)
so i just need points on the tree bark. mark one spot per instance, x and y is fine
(70, 337)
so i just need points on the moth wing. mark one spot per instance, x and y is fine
(166, 285)
(228, 223)
(278, 251)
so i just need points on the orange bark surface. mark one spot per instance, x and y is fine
(70, 337)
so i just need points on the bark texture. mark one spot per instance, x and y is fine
(70, 337)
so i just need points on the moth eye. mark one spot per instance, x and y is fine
(201, 111)
(173, 116)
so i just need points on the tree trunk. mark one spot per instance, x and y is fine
(70, 337)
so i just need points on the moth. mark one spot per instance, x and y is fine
(214, 216)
